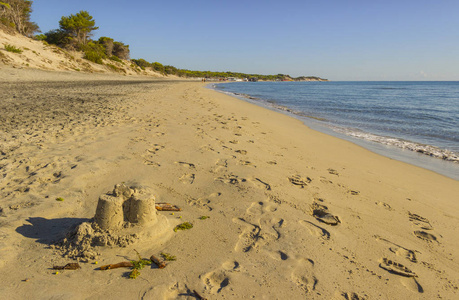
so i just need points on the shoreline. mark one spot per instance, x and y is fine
(289, 212)
(424, 156)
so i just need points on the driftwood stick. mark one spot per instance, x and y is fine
(167, 207)
(160, 263)
(124, 264)
(69, 266)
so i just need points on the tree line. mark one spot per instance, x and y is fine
(75, 32)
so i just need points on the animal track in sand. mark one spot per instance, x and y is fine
(303, 275)
(243, 152)
(299, 181)
(316, 230)
(419, 221)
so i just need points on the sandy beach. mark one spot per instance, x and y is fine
(279, 211)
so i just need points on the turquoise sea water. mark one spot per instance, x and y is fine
(419, 116)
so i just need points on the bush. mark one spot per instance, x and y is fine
(142, 63)
(94, 52)
(116, 58)
(57, 37)
(11, 48)
(40, 37)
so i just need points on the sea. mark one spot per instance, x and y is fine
(414, 122)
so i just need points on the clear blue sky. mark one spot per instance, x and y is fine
(334, 39)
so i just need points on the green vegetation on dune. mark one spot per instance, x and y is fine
(75, 32)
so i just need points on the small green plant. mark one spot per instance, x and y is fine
(11, 48)
(168, 257)
(59, 199)
(138, 265)
(183, 226)
(204, 217)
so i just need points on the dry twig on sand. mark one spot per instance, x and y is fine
(124, 264)
(167, 207)
(160, 263)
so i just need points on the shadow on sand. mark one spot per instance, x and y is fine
(47, 231)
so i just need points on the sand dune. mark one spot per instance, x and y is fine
(292, 213)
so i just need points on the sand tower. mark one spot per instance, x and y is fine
(126, 206)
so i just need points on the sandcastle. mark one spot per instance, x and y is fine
(123, 217)
(125, 206)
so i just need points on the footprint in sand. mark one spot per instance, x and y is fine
(260, 183)
(186, 164)
(408, 277)
(348, 296)
(320, 212)
(246, 163)
(230, 179)
(428, 237)
(199, 203)
(333, 172)
(384, 205)
(316, 230)
(155, 148)
(419, 221)
(400, 250)
(188, 178)
(406, 253)
(303, 275)
(250, 237)
(216, 281)
(299, 181)
(259, 227)
(396, 268)
(150, 162)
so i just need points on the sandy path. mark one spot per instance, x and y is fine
(270, 186)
